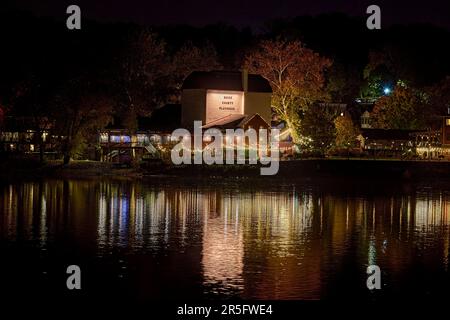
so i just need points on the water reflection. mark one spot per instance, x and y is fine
(291, 243)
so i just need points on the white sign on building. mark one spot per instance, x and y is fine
(223, 103)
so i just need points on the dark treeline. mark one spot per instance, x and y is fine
(107, 72)
(44, 48)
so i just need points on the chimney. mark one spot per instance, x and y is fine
(245, 80)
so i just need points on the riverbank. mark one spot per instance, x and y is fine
(26, 168)
(293, 169)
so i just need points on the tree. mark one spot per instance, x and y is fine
(30, 102)
(317, 129)
(438, 98)
(377, 75)
(2, 116)
(343, 83)
(403, 109)
(346, 132)
(145, 76)
(188, 59)
(81, 109)
(296, 75)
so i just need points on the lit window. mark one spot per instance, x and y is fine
(140, 138)
(447, 122)
(103, 137)
(155, 138)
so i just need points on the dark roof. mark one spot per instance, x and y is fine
(166, 118)
(225, 80)
(365, 106)
(388, 134)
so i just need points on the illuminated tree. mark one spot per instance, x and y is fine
(296, 75)
(346, 132)
(317, 129)
(405, 109)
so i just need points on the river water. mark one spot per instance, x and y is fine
(162, 239)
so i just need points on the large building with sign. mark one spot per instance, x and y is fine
(220, 99)
(209, 96)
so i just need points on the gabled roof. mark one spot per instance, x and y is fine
(232, 121)
(225, 80)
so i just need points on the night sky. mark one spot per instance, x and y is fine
(239, 13)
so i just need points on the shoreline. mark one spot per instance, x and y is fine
(288, 170)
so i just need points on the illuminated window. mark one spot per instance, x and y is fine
(142, 138)
(103, 137)
(155, 138)
(447, 122)
(115, 139)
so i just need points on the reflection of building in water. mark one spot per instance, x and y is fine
(24, 212)
(223, 246)
(283, 262)
(144, 218)
(263, 244)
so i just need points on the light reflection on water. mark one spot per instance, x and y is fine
(293, 242)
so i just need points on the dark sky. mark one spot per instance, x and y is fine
(240, 12)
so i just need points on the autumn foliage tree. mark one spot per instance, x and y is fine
(346, 132)
(404, 109)
(296, 75)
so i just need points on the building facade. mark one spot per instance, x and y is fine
(209, 96)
